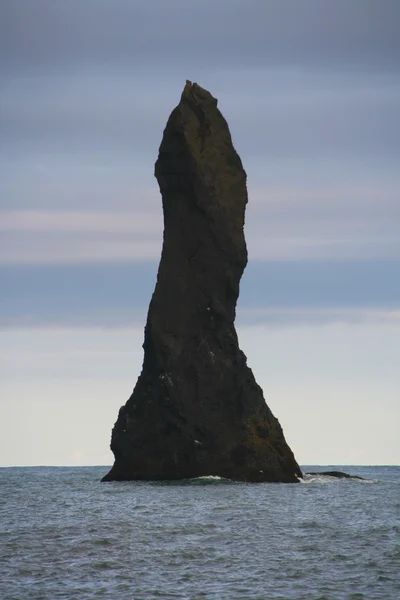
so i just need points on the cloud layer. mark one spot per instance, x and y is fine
(312, 96)
(311, 91)
(356, 34)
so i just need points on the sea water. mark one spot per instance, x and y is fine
(66, 535)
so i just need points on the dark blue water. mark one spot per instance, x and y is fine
(66, 535)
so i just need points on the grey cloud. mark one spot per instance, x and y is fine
(281, 317)
(276, 115)
(91, 142)
(106, 113)
(80, 182)
(86, 137)
(312, 119)
(117, 294)
(360, 33)
(77, 249)
(339, 221)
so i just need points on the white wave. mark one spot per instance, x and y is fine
(317, 479)
(208, 478)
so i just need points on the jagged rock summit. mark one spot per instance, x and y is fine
(196, 409)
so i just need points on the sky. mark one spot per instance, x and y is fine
(311, 92)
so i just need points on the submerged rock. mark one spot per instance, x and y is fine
(196, 409)
(337, 474)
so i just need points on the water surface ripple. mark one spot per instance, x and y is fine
(66, 535)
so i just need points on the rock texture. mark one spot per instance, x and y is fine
(196, 409)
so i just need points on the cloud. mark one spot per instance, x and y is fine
(274, 115)
(320, 382)
(358, 34)
(312, 97)
(96, 112)
(339, 221)
(311, 92)
(77, 250)
(78, 237)
(82, 182)
(279, 316)
(79, 221)
(118, 294)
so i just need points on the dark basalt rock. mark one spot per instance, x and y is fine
(196, 409)
(337, 474)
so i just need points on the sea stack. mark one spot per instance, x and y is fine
(196, 409)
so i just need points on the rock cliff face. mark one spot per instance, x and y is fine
(196, 408)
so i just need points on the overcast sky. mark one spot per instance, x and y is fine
(311, 91)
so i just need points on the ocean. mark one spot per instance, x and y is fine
(66, 535)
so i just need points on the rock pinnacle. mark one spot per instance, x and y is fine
(196, 409)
